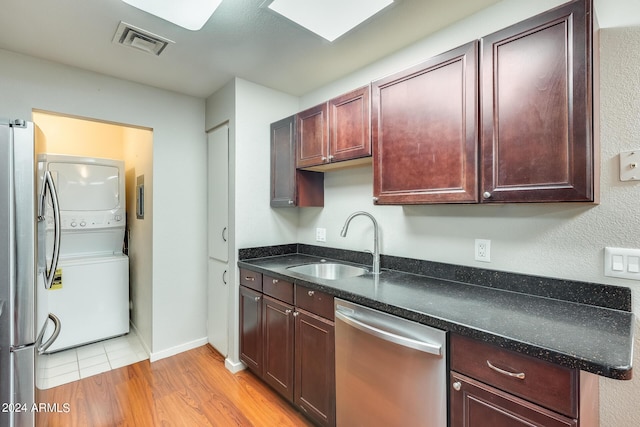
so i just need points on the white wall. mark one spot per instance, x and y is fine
(179, 165)
(138, 152)
(250, 109)
(618, 222)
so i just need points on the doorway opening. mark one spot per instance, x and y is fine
(86, 137)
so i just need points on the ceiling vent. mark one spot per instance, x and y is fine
(128, 35)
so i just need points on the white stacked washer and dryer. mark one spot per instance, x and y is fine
(90, 292)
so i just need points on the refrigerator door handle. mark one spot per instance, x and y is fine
(42, 347)
(50, 273)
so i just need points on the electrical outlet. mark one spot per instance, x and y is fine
(321, 234)
(483, 250)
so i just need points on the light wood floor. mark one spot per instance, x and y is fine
(190, 389)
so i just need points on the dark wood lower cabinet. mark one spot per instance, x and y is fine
(315, 367)
(495, 387)
(251, 329)
(278, 346)
(475, 404)
(290, 348)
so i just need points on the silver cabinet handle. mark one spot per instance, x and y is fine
(296, 313)
(310, 293)
(457, 386)
(423, 346)
(324, 159)
(224, 238)
(330, 158)
(256, 299)
(486, 195)
(375, 199)
(518, 375)
(249, 278)
(224, 277)
(287, 312)
(275, 281)
(290, 202)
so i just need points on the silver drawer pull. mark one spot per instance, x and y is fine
(256, 299)
(310, 293)
(251, 279)
(275, 281)
(518, 375)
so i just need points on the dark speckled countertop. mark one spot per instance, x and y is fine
(574, 324)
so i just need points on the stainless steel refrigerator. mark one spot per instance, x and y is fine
(23, 195)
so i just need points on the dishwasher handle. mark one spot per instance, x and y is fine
(426, 347)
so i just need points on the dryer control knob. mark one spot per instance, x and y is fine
(73, 224)
(82, 223)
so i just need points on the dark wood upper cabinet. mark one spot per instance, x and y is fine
(335, 132)
(424, 131)
(350, 125)
(537, 140)
(313, 136)
(291, 187)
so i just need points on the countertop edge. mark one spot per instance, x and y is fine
(510, 343)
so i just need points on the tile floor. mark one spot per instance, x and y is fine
(82, 362)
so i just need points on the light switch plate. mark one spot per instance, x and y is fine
(622, 262)
(321, 234)
(630, 165)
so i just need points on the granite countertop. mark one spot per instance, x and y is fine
(579, 335)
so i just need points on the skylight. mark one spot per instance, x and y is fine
(328, 18)
(189, 14)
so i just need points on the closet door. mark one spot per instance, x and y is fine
(218, 260)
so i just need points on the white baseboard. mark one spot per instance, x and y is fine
(234, 366)
(177, 349)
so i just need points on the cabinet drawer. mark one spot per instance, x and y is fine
(251, 279)
(316, 302)
(476, 404)
(277, 288)
(549, 385)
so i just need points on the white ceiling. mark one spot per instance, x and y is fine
(241, 39)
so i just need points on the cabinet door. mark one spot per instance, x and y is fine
(313, 136)
(218, 306)
(349, 126)
(251, 329)
(283, 163)
(537, 140)
(474, 404)
(424, 131)
(291, 187)
(315, 367)
(218, 192)
(278, 346)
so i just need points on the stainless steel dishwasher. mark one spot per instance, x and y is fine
(389, 371)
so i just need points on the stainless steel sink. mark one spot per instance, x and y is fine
(329, 270)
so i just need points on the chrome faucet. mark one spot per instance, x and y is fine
(376, 249)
